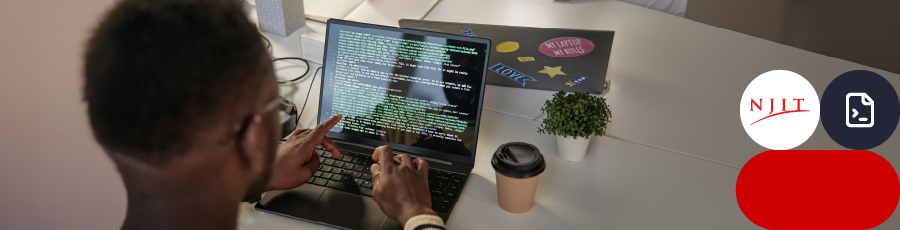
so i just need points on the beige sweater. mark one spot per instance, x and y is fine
(423, 222)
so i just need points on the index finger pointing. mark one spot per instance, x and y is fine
(323, 128)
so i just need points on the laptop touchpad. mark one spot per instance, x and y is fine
(345, 210)
(295, 202)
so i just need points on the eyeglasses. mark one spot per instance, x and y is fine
(285, 92)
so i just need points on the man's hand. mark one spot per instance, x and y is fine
(295, 161)
(400, 188)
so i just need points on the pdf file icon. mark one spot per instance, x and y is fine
(860, 110)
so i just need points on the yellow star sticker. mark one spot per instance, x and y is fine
(552, 71)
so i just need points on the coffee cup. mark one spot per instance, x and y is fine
(518, 166)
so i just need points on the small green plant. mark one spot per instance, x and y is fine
(577, 114)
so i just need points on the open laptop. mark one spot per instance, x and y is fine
(419, 92)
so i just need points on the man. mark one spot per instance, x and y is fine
(181, 95)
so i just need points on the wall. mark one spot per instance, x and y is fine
(862, 31)
(52, 173)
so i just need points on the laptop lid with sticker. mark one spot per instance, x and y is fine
(554, 59)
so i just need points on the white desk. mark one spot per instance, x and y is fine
(675, 86)
(670, 76)
(618, 185)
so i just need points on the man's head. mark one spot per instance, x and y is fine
(178, 87)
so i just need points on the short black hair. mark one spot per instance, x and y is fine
(158, 70)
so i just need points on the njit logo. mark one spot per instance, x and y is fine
(783, 110)
(772, 107)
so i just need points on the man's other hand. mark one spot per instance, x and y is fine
(400, 185)
(296, 161)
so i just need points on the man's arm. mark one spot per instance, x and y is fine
(401, 189)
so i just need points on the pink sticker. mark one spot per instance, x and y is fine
(567, 47)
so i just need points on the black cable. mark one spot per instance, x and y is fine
(294, 58)
(305, 101)
(264, 38)
(268, 43)
(308, 91)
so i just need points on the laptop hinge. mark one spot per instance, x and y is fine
(396, 152)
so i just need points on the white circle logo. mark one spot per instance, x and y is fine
(780, 109)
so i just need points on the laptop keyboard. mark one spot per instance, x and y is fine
(350, 173)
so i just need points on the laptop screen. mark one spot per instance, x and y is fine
(419, 92)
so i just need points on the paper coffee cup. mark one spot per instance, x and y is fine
(518, 166)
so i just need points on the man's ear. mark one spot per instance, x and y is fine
(252, 144)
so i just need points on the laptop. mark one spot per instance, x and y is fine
(418, 92)
(556, 59)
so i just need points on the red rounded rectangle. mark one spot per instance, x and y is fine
(817, 189)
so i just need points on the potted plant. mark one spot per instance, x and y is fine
(575, 118)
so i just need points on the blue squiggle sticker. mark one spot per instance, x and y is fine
(512, 74)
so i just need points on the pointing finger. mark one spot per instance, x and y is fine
(323, 128)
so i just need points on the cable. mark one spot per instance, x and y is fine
(308, 91)
(305, 101)
(294, 58)
(268, 43)
(311, 83)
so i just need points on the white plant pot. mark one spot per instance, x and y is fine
(572, 149)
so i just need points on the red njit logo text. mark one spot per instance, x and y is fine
(772, 103)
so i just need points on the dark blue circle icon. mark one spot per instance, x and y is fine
(860, 110)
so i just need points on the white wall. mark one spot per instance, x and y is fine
(53, 175)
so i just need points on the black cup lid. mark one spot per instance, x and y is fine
(518, 160)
